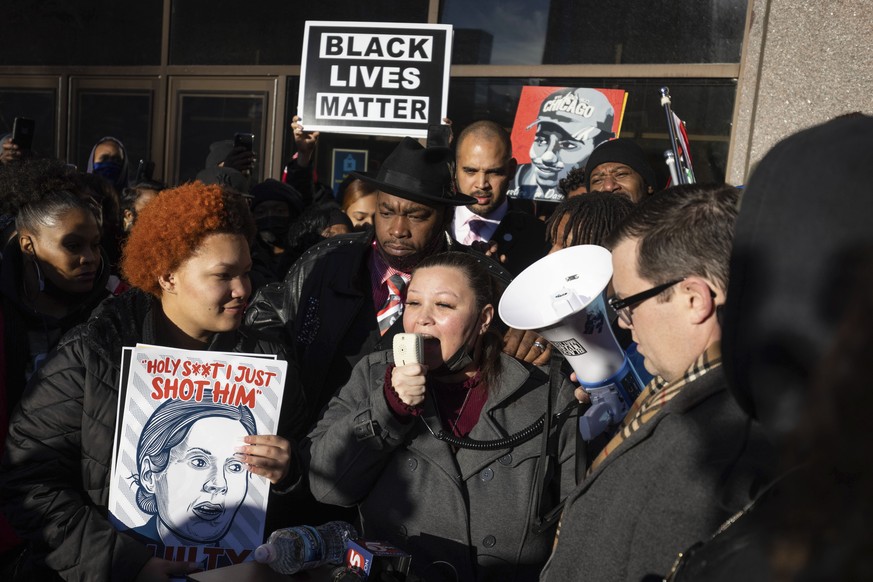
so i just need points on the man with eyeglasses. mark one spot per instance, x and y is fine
(686, 457)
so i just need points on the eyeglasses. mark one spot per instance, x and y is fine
(623, 306)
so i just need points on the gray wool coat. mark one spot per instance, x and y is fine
(671, 484)
(464, 515)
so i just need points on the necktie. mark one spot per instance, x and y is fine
(393, 306)
(476, 226)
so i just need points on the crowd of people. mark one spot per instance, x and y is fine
(743, 311)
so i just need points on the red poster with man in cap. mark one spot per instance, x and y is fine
(555, 130)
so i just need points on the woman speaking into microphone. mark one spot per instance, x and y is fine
(425, 450)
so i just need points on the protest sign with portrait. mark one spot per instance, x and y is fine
(555, 130)
(178, 484)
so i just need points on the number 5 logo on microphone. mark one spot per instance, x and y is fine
(356, 560)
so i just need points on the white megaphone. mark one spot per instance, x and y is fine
(561, 296)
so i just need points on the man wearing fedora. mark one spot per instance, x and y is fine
(344, 297)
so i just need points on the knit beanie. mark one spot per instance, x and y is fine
(621, 151)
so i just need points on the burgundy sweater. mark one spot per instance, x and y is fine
(459, 403)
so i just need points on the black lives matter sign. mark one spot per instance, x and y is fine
(374, 78)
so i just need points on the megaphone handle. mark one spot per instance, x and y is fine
(594, 421)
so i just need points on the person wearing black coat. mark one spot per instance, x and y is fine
(53, 273)
(484, 167)
(797, 347)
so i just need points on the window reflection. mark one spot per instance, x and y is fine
(533, 32)
(267, 32)
(81, 33)
(497, 32)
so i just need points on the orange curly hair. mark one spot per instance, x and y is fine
(170, 229)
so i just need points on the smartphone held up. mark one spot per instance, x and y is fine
(22, 132)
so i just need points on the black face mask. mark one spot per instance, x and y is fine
(456, 363)
(462, 358)
(273, 230)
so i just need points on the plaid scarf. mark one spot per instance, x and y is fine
(655, 396)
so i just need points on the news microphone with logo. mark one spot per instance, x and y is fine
(377, 561)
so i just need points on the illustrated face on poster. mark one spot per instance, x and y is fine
(554, 152)
(567, 124)
(178, 484)
(190, 478)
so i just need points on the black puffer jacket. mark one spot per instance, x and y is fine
(27, 334)
(54, 483)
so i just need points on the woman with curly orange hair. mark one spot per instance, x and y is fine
(188, 260)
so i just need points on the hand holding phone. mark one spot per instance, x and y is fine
(9, 152)
(241, 157)
(409, 374)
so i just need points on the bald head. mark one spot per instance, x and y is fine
(485, 130)
(484, 165)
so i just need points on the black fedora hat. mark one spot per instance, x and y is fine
(419, 174)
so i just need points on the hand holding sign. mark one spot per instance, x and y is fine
(266, 455)
(304, 141)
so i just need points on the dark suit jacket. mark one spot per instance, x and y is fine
(521, 236)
